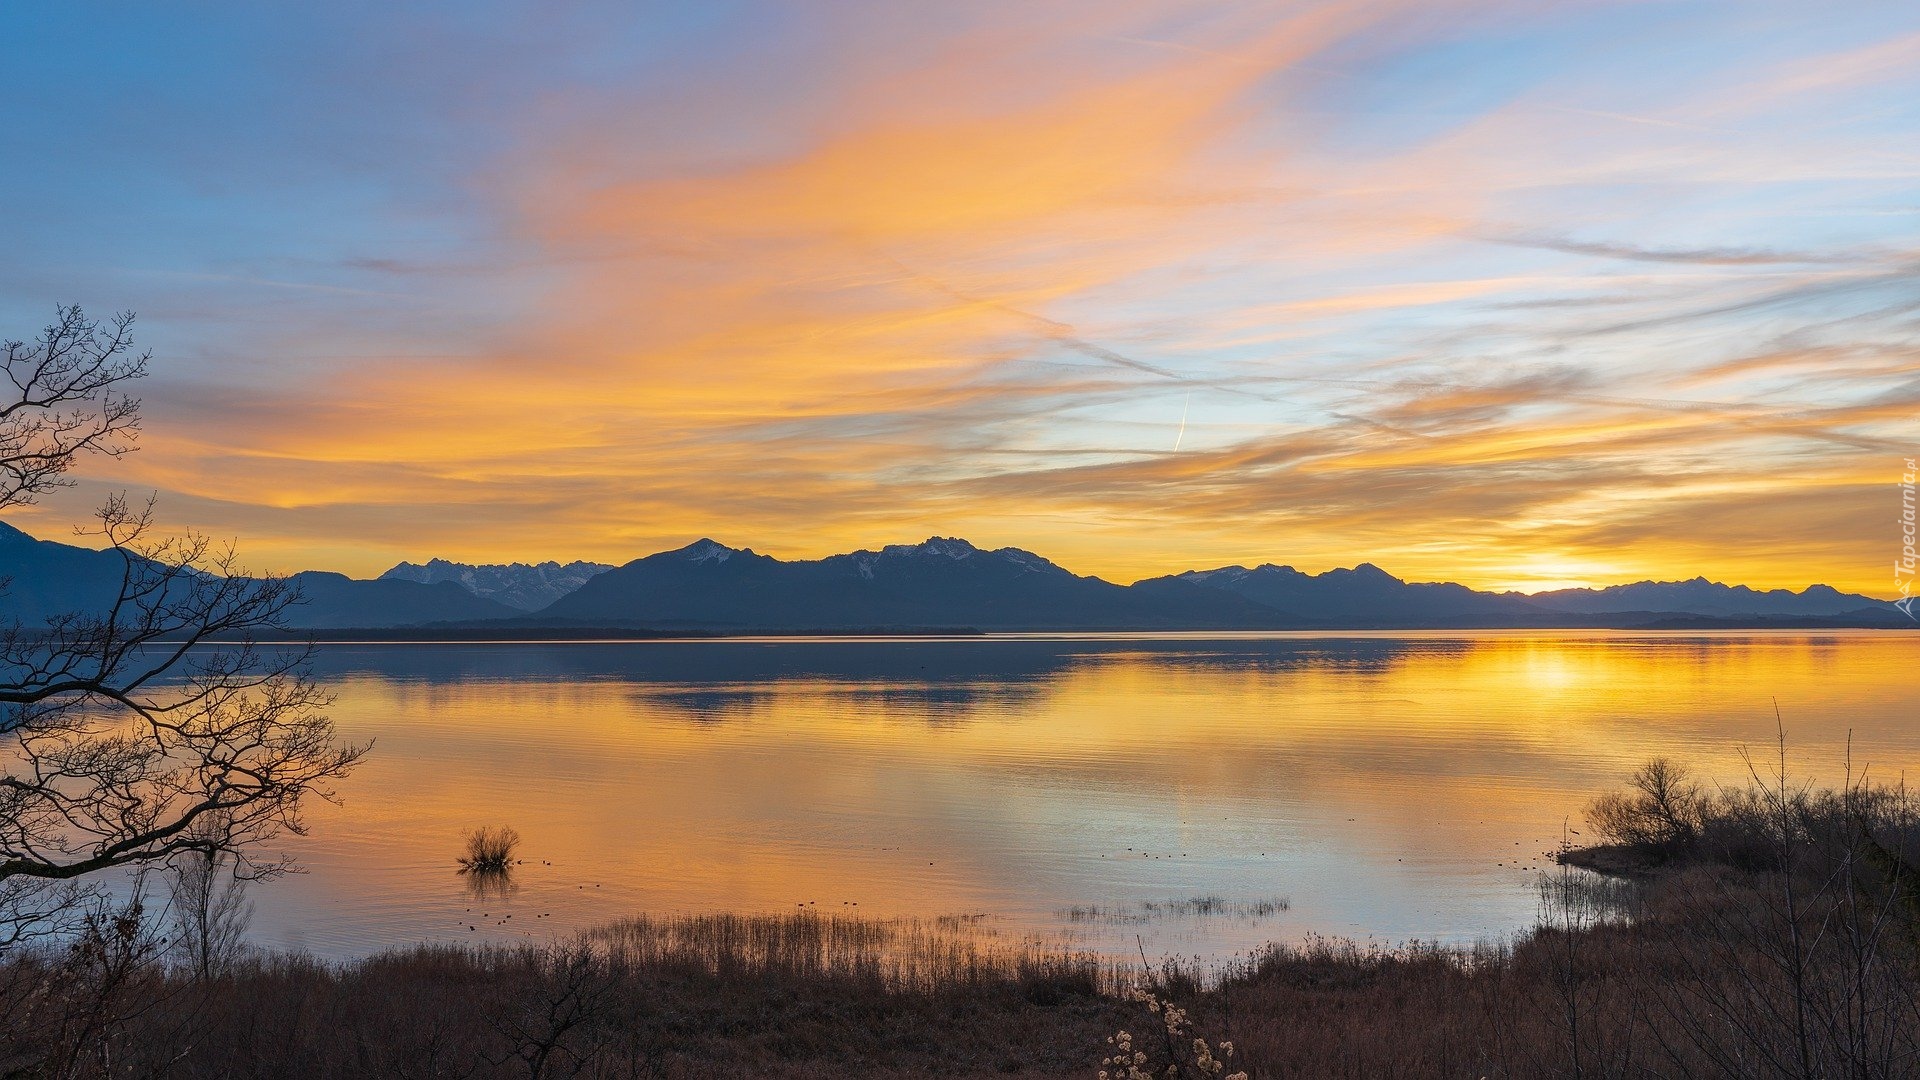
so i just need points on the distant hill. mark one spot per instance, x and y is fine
(336, 601)
(950, 582)
(46, 579)
(1367, 596)
(521, 586)
(947, 583)
(941, 582)
(1703, 597)
(1363, 596)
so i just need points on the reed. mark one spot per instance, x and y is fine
(909, 956)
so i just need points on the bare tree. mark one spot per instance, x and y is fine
(157, 725)
(546, 1033)
(1662, 812)
(68, 398)
(208, 902)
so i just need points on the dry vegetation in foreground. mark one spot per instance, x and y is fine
(1779, 937)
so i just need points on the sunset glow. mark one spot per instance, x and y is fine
(1524, 296)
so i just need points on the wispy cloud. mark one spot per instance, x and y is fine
(1699, 256)
(1458, 287)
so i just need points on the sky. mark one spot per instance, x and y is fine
(1522, 295)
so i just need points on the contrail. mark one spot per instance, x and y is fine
(1183, 423)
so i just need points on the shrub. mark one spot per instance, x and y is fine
(489, 850)
(1662, 809)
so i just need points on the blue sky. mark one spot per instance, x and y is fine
(1517, 294)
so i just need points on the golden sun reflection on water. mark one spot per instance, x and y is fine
(1387, 786)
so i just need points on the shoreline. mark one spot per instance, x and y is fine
(519, 634)
(1622, 861)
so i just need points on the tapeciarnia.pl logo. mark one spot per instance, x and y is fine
(1903, 567)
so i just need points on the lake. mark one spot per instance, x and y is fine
(1386, 787)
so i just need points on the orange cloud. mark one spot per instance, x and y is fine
(970, 283)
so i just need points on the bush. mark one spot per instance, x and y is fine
(1662, 809)
(489, 850)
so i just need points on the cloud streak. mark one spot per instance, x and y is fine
(1697, 256)
(816, 279)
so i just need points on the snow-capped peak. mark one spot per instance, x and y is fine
(951, 547)
(704, 550)
(1028, 561)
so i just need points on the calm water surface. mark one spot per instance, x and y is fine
(1389, 787)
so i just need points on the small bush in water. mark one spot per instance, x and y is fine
(489, 850)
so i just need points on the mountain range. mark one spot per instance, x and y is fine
(45, 579)
(941, 583)
(520, 586)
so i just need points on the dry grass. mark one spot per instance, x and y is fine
(893, 956)
(811, 996)
(799, 995)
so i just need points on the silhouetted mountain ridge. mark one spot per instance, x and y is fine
(1699, 596)
(46, 579)
(1363, 595)
(336, 602)
(941, 582)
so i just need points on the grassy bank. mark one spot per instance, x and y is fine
(797, 995)
(1775, 932)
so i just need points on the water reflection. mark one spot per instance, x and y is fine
(1385, 786)
(488, 885)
